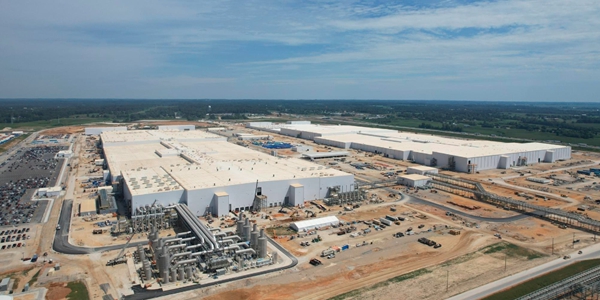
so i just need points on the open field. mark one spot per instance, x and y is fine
(38, 125)
(456, 274)
(13, 142)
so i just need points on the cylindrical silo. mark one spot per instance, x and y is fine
(262, 245)
(141, 253)
(163, 262)
(247, 227)
(254, 237)
(188, 272)
(240, 225)
(165, 277)
(147, 271)
(173, 275)
(181, 274)
(274, 257)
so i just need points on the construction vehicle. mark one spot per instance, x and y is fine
(294, 215)
(120, 257)
(385, 221)
(327, 252)
(310, 214)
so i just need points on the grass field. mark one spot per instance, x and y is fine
(35, 277)
(512, 250)
(396, 279)
(281, 230)
(509, 249)
(78, 291)
(15, 141)
(38, 125)
(544, 280)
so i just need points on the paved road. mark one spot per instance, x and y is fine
(413, 199)
(61, 239)
(590, 252)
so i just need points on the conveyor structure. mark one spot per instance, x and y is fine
(462, 187)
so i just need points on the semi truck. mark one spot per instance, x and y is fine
(385, 221)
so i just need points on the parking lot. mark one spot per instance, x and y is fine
(14, 238)
(20, 175)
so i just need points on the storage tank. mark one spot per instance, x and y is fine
(254, 237)
(165, 277)
(188, 272)
(240, 225)
(246, 235)
(163, 262)
(173, 275)
(141, 253)
(181, 274)
(274, 257)
(262, 245)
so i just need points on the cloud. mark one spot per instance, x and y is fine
(451, 49)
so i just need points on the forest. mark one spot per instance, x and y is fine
(574, 121)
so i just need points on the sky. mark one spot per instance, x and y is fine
(505, 50)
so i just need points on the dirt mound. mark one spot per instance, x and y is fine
(57, 291)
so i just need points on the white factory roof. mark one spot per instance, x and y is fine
(422, 168)
(423, 143)
(199, 164)
(336, 129)
(325, 154)
(312, 223)
(149, 136)
(414, 177)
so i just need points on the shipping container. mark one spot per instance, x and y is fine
(385, 221)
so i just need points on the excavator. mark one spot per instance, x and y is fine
(310, 214)
(294, 215)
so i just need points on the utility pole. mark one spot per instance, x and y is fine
(447, 279)
(505, 259)
(573, 240)
(552, 246)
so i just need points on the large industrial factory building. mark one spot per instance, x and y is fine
(455, 154)
(209, 174)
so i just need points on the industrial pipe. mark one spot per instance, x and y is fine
(187, 261)
(249, 250)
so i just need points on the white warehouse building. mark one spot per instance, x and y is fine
(177, 127)
(421, 170)
(461, 155)
(100, 130)
(413, 180)
(314, 223)
(209, 174)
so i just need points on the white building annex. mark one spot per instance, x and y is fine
(314, 223)
(209, 174)
(461, 155)
(413, 180)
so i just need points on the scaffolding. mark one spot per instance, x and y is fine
(339, 196)
(149, 216)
